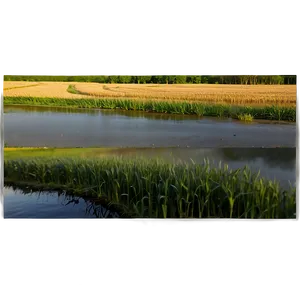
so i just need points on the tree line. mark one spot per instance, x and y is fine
(165, 79)
(201, 77)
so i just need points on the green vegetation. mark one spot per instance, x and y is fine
(164, 79)
(28, 152)
(172, 107)
(71, 89)
(56, 76)
(156, 189)
(245, 117)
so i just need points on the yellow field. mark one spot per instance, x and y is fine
(234, 94)
(39, 89)
(17, 84)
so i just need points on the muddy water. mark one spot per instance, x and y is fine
(53, 127)
(26, 204)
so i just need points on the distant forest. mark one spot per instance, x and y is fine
(165, 79)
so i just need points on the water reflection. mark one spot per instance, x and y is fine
(284, 158)
(9, 109)
(27, 203)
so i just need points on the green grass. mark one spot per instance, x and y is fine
(71, 89)
(156, 189)
(245, 117)
(32, 152)
(176, 107)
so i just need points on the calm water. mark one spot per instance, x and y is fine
(50, 127)
(279, 164)
(27, 204)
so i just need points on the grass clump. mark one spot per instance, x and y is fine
(71, 89)
(156, 189)
(245, 117)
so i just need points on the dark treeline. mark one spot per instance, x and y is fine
(165, 79)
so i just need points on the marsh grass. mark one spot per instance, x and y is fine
(156, 189)
(245, 117)
(171, 107)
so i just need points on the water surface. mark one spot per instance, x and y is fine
(58, 127)
(27, 204)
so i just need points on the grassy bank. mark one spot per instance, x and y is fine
(33, 152)
(152, 188)
(172, 107)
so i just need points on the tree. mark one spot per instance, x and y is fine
(70, 76)
(215, 79)
(180, 77)
(253, 79)
(99, 79)
(194, 77)
(144, 77)
(278, 79)
(244, 79)
(125, 77)
(169, 77)
(157, 79)
(114, 77)
(222, 79)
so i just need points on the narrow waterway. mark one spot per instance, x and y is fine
(58, 127)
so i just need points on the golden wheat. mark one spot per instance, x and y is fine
(235, 94)
(9, 85)
(42, 89)
(218, 93)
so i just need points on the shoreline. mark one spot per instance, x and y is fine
(175, 107)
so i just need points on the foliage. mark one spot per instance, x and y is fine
(156, 189)
(177, 107)
(157, 77)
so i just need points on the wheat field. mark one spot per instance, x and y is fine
(17, 84)
(284, 95)
(39, 89)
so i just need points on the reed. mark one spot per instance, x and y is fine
(245, 117)
(156, 189)
(175, 107)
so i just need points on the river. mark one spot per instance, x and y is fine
(59, 127)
